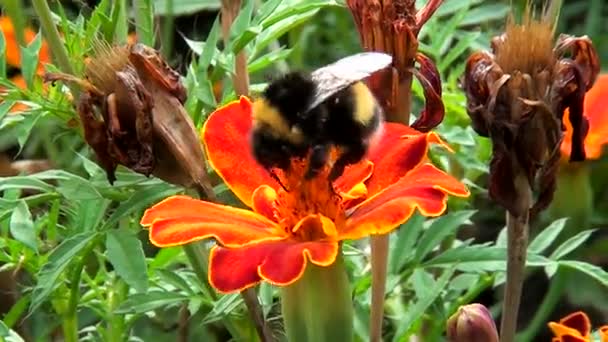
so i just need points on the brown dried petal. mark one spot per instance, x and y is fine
(584, 55)
(150, 65)
(477, 90)
(95, 134)
(433, 111)
(569, 92)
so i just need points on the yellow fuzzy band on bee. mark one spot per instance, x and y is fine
(264, 114)
(365, 103)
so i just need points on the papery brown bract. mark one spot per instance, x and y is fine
(517, 95)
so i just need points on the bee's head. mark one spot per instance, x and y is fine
(271, 150)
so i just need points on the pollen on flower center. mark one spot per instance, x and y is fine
(302, 198)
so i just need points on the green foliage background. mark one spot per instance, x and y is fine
(83, 268)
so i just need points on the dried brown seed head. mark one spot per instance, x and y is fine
(528, 46)
(105, 62)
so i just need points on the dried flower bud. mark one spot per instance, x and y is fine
(132, 114)
(517, 96)
(470, 323)
(392, 26)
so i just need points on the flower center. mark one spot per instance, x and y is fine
(304, 197)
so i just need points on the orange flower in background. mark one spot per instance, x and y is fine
(596, 112)
(576, 327)
(13, 53)
(286, 229)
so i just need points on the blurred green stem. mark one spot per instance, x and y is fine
(552, 298)
(52, 36)
(14, 9)
(117, 293)
(143, 21)
(168, 29)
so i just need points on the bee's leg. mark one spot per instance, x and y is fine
(318, 159)
(274, 176)
(352, 154)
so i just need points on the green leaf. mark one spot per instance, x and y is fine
(9, 335)
(546, 237)
(22, 226)
(186, 7)
(126, 254)
(439, 230)
(401, 249)
(268, 59)
(2, 55)
(224, 306)
(241, 25)
(210, 48)
(486, 13)
(57, 262)
(266, 10)
(457, 50)
(165, 257)
(24, 129)
(593, 271)
(571, 244)
(416, 311)
(29, 59)
(144, 302)
(175, 279)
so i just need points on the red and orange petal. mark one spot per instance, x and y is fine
(178, 220)
(226, 139)
(573, 327)
(399, 150)
(596, 111)
(13, 53)
(277, 262)
(425, 188)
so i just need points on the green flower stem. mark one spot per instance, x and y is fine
(144, 21)
(379, 260)
(52, 36)
(14, 8)
(552, 298)
(116, 329)
(318, 307)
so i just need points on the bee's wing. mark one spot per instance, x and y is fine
(334, 77)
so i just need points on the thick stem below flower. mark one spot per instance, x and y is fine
(318, 307)
(379, 246)
(517, 243)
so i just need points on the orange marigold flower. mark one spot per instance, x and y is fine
(596, 112)
(286, 229)
(575, 327)
(13, 53)
(603, 330)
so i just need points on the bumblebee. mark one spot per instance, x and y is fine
(301, 115)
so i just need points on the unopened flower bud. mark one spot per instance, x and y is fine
(472, 323)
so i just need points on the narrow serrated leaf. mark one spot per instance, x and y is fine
(144, 302)
(58, 260)
(126, 254)
(22, 227)
(416, 311)
(439, 230)
(546, 237)
(593, 271)
(571, 244)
